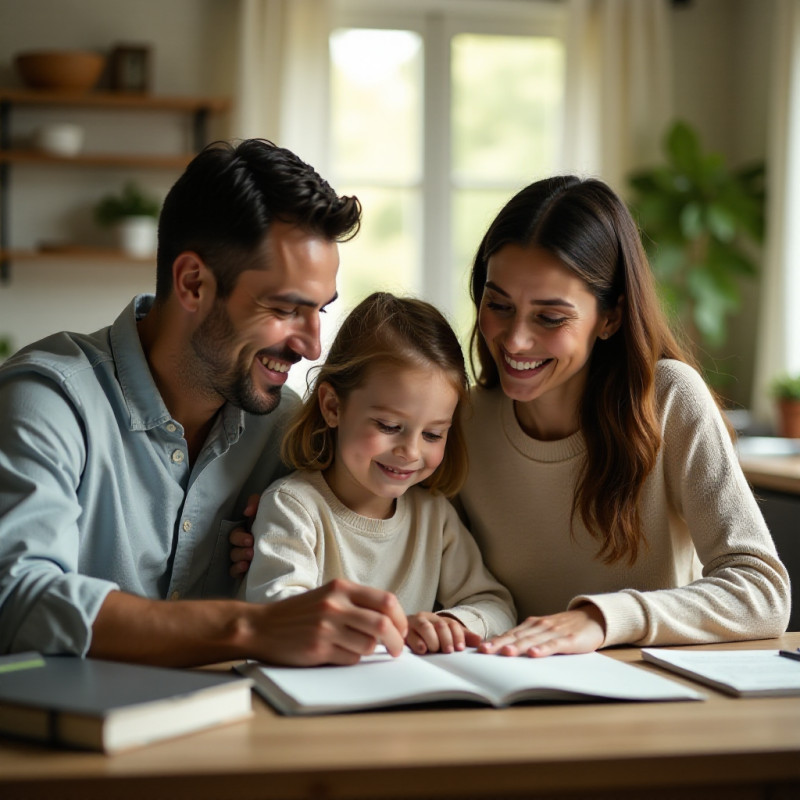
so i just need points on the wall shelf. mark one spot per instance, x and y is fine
(114, 100)
(198, 108)
(74, 253)
(34, 157)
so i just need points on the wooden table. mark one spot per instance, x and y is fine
(722, 747)
(778, 473)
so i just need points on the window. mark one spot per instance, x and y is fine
(438, 115)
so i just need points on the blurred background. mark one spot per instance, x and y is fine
(433, 112)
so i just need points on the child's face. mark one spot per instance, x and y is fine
(391, 434)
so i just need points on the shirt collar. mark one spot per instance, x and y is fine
(145, 406)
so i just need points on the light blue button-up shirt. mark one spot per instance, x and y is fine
(97, 492)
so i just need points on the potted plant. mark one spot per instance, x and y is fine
(134, 214)
(699, 221)
(785, 389)
(6, 348)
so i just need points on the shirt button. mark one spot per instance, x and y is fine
(177, 456)
(187, 525)
(175, 596)
(171, 427)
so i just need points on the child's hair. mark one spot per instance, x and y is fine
(383, 330)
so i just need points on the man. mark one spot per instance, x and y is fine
(127, 456)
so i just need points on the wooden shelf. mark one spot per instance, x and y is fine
(119, 100)
(74, 252)
(198, 108)
(137, 161)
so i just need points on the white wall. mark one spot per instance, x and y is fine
(722, 69)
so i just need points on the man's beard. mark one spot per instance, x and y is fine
(212, 342)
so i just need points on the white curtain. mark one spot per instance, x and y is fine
(282, 76)
(778, 344)
(619, 89)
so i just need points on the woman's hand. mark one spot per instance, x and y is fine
(438, 633)
(580, 630)
(241, 540)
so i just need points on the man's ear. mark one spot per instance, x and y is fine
(193, 282)
(329, 404)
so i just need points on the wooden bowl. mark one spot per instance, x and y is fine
(61, 70)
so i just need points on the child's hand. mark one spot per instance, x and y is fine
(241, 541)
(437, 633)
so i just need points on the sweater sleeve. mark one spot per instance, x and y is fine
(284, 558)
(467, 590)
(743, 592)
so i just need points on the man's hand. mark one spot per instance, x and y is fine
(434, 633)
(334, 624)
(580, 630)
(241, 541)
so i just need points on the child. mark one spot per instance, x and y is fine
(378, 448)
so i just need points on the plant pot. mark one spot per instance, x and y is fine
(138, 236)
(789, 418)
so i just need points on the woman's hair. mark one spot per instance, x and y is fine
(223, 204)
(383, 330)
(589, 229)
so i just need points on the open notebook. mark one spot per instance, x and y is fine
(744, 673)
(380, 681)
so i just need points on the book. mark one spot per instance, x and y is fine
(743, 673)
(112, 706)
(380, 681)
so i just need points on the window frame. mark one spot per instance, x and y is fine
(437, 22)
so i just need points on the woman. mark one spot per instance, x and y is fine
(604, 489)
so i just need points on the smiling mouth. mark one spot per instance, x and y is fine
(394, 472)
(275, 366)
(524, 365)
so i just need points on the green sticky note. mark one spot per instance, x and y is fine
(19, 661)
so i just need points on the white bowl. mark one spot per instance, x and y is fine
(60, 139)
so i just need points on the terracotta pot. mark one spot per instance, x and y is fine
(789, 418)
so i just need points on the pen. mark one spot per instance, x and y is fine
(795, 654)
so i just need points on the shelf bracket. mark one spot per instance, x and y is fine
(199, 132)
(5, 176)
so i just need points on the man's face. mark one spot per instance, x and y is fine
(247, 343)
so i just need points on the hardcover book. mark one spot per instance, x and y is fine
(112, 706)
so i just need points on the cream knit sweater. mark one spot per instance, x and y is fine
(709, 571)
(305, 537)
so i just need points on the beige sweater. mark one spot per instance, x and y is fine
(709, 571)
(305, 537)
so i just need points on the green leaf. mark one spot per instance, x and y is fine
(691, 220)
(710, 320)
(721, 222)
(683, 148)
(668, 260)
(730, 259)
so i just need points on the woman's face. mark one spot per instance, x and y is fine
(540, 323)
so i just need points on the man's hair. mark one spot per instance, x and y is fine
(223, 204)
(383, 331)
